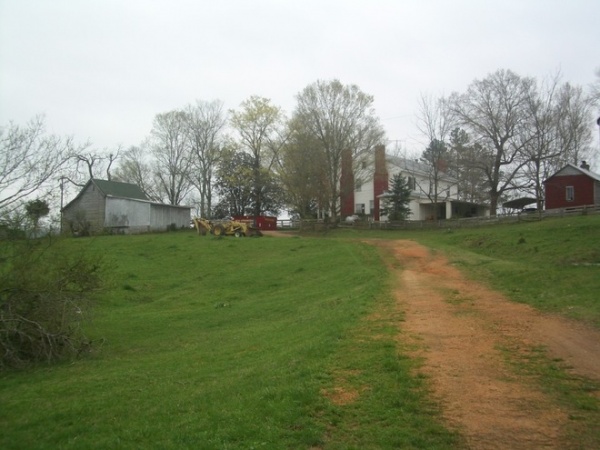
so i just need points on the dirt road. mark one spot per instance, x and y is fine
(463, 330)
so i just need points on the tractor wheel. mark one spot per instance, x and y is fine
(238, 233)
(218, 230)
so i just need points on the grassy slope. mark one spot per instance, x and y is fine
(553, 265)
(228, 343)
(239, 343)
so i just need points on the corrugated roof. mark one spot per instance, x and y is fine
(118, 189)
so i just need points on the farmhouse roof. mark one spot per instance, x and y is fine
(416, 167)
(589, 173)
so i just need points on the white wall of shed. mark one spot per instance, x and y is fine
(123, 212)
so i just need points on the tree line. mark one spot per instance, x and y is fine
(504, 133)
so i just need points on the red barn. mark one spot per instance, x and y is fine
(573, 186)
(262, 222)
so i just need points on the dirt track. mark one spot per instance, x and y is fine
(460, 328)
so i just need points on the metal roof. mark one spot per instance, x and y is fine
(118, 189)
(519, 203)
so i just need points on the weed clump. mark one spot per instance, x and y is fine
(45, 294)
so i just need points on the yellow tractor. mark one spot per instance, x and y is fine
(225, 228)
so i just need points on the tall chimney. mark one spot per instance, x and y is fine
(380, 178)
(347, 184)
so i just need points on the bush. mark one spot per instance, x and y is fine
(45, 294)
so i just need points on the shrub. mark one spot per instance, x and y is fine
(45, 294)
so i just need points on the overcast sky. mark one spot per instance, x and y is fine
(101, 70)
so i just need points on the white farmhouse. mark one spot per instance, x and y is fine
(433, 195)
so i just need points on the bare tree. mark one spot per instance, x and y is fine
(471, 180)
(340, 118)
(30, 161)
(135, 168)
(595, 89)
(170, 146)
(436, 158)
(494, 112)
(434, 118)
(574, 115)
(206, 122)
(88, 164)
(543, 147)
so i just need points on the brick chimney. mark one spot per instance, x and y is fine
(347, 185)
(380, 178)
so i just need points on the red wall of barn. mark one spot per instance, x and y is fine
(262, 222)
(556, 195)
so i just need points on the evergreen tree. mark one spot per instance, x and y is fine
(36, 209)
(395, 205)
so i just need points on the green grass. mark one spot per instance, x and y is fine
(553, 265)
(245, 343)
(575, 394)
(228, 344)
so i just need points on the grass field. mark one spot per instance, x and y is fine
(273, 343)
(228, 344)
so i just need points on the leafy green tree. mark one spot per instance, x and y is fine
(395, 205)
(236, 189)
(302, 173)
(36, 209)
(234, 184)
(261, 129)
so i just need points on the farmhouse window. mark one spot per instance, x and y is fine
(412, 183)
(358, 186)
(371, 207)
(359, 208)
(570, 193)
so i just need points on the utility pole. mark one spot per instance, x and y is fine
(62, 181)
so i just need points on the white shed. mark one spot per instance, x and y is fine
(111, 206)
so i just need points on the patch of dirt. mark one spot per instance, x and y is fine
(460, 329)
(276, 233)
(340, 396)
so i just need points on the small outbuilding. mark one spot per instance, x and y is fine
(572, 187)
(115, 207)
